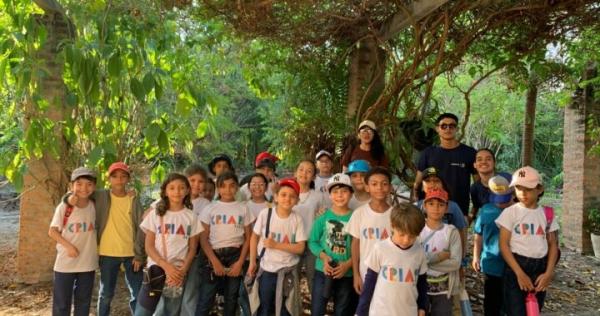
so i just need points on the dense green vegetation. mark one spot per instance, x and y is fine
(159, 86)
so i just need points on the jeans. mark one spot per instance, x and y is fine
(191, 291)
(109, 271)
(514, 298)
(492, 301)
(344, 297)
(208, 290)
(243, 300)
(440, 305)
(308, 261)
(266, 292)
(170, 306)
(76, 288)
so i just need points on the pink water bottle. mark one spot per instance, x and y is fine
(531, 305)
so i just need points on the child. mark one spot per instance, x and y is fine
(209, 189)
(357, 171)
(324, 160)
(488, 260)
(279, 253)
(396, 283)
(258, 201)
(220, 164)
(443, 249)
(73, 229)
(264, 164)
(370, 223)
(331, 244)
(453, 216)
(198, 178)
(225, 243)
(172, 231)
(311, 202)
(527, 243)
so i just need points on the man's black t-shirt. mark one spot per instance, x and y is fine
(455, 167)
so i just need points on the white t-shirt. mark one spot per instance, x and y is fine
(285, 230)
(179, 227)
(369, 227)
(396, 289)
(80, 231)
(309, 204)
(528, 230)
(227, 221)
(255, 208)
(199, 204)
(439, 241)
(355, 203)
(321, 186)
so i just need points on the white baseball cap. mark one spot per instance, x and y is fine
(339, 179)
(526, 177)
(367, 123)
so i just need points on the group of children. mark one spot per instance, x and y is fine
(354, 243)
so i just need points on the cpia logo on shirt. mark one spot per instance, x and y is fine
(224, 219)
(82, 227)
(283, 238)
(398, 274)
(529, 229)
(170, 229)
(380, 233)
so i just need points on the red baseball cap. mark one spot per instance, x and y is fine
(439, 194)
(290, 182)
(260, 158)
(119, 165)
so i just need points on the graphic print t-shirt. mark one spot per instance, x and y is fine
(369, 227)
(329, 234)
(80, 231)
(398, 269)
(528, 229)
(288, 230)
(227, 221)
(179, 227)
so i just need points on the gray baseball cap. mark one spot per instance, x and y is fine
(82, 172)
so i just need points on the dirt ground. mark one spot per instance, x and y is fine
(574, 291)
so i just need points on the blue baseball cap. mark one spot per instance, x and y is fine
(500, 189)
(358, 166)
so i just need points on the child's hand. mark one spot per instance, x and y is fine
(173, 282)
(422, 312)
(341, 269)
(251, 269)
(72, 199)
(72, 251)
(476, 265)
(269, 243)
(543, 281)
(235, 269)
(218, 268)
(524, 282)
(357, 283)
(173, 273)
(443, 255)
(327, 269)
(137, 265)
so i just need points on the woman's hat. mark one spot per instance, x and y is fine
(367, 123)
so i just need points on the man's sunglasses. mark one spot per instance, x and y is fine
(447, 126)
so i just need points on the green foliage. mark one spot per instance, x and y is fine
(594, 221)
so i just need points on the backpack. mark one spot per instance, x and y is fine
(549, 213)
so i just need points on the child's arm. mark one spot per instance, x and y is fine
(57, 236)
(358, 284)
(366, 295)
(543, 280)
(297, 248)
(253, 254)
(209, 252)
(452, 263)
(170, 270)
(422, 298)
(236, 268)
(524, 280)
(477, 246)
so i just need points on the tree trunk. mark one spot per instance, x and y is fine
(45, 180)
(366, 76)
(529, 124)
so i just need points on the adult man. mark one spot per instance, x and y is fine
(453, 159)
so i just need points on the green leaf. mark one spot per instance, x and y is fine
(148, 82)
(95, 156)
(114, 65)
(183, 107)
(72, 99)
(158, 89)
(201, 129)
(163, 141)
(151, 133)
(158, 173)
(137, 89)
